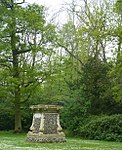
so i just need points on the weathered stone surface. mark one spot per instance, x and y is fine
(46, 124)
(46, 138)
(50, 125)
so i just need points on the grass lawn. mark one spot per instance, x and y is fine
(10, 141)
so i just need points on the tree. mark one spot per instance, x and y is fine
(88, 43)
(97, 86)
(25, 44)
(116, 71)
(116, 80)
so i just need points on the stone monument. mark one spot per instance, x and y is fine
(46, 124)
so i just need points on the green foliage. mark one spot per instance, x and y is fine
(75, 110)
(25, 47)
(115, 75)
(97, 86)
(26, 118)
(6, 119)
(103, 128)
(37, 67)
(118, 6)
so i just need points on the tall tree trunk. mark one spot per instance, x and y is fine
(18, 124)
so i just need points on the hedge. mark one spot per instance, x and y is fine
(103, 128)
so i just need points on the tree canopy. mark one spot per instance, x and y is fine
(77, 64)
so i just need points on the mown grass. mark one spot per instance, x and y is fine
(12, 141)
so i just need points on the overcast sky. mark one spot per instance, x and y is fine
(54, 6)
(48, 3)
(56, 9)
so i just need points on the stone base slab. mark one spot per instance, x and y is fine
(46, 138)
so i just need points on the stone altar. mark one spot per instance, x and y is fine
(46, 124)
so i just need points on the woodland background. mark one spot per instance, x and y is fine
(76, 64)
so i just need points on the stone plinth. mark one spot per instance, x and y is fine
(45, 124)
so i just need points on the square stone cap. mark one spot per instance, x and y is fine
(43, 107)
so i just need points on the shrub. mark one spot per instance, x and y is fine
(103, 128)
(74, 111)
(6, 119)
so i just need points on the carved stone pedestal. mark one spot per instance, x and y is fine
(45, 124)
